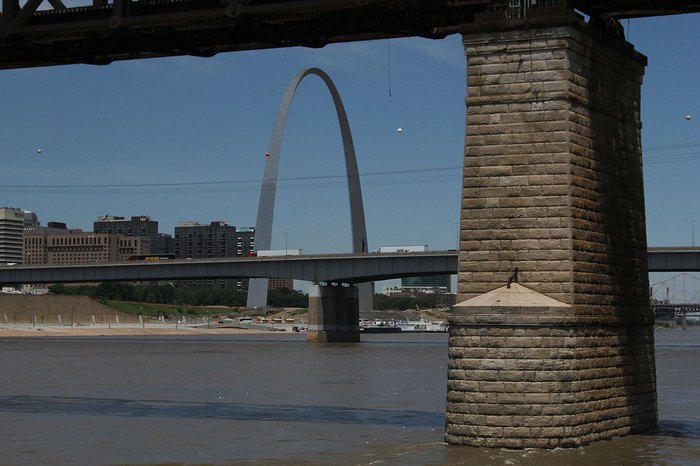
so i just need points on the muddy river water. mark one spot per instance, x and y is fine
(274, 399)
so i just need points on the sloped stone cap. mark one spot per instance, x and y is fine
(515, 296)
(517, 305)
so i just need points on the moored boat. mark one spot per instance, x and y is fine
(378, 326)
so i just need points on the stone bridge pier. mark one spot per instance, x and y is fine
(552, 198)
(334, 314)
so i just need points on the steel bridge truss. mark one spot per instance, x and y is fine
(50, 32)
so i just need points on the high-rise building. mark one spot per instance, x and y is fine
(11, 229)
(218, 239)
(194, 240)
(138, 225)
(245, 241)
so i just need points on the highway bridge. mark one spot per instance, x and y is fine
(54, 32)
(330, 268)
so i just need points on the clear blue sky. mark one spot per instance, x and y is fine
(203, 120)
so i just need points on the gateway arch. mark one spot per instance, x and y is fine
(257, 287)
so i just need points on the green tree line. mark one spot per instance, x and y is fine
(190, 296)
(383, 302)
(194, 296)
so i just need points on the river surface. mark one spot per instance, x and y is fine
(274, 399)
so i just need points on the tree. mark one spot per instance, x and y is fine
(284, 297)
(116, 291)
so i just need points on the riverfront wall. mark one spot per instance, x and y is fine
(553, 187)
(47, 308)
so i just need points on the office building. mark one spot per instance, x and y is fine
(11, 229)
(245, 241)
(194, 240)
(57, 245)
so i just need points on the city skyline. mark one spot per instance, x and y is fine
(185, 139)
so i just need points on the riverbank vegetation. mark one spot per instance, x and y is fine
(171, 295)
(153, 299)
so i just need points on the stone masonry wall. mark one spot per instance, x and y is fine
(552, 172)
(546, 386)
(516, 205)
(607, 194)
(553, 186)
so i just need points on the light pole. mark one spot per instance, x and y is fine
(456, 222)
(692, 229)
(285, 242)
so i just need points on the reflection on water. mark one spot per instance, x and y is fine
(277, 400)
(50, 405)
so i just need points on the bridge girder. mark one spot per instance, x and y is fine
(129, 29)
(341, 268)
(622, 9)
(103, 32)
(332, 268)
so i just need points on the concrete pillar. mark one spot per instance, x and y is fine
(334, 314)
(553, 187)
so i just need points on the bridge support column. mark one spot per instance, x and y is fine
(334, 314)
(553, 198)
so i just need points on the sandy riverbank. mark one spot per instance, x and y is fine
(91, 331)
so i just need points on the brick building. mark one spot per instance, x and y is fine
(57, 245)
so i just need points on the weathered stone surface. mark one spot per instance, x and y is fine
(552, 186)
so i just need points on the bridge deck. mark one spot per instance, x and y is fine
(100, 32)
(341, 268)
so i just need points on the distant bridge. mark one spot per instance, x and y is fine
(332, 268)
(674, 259)
(667, 311)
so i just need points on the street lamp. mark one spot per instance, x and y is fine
(285, 242)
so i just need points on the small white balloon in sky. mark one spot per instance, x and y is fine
(399, 130)
(689, 117)
(39, 151)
